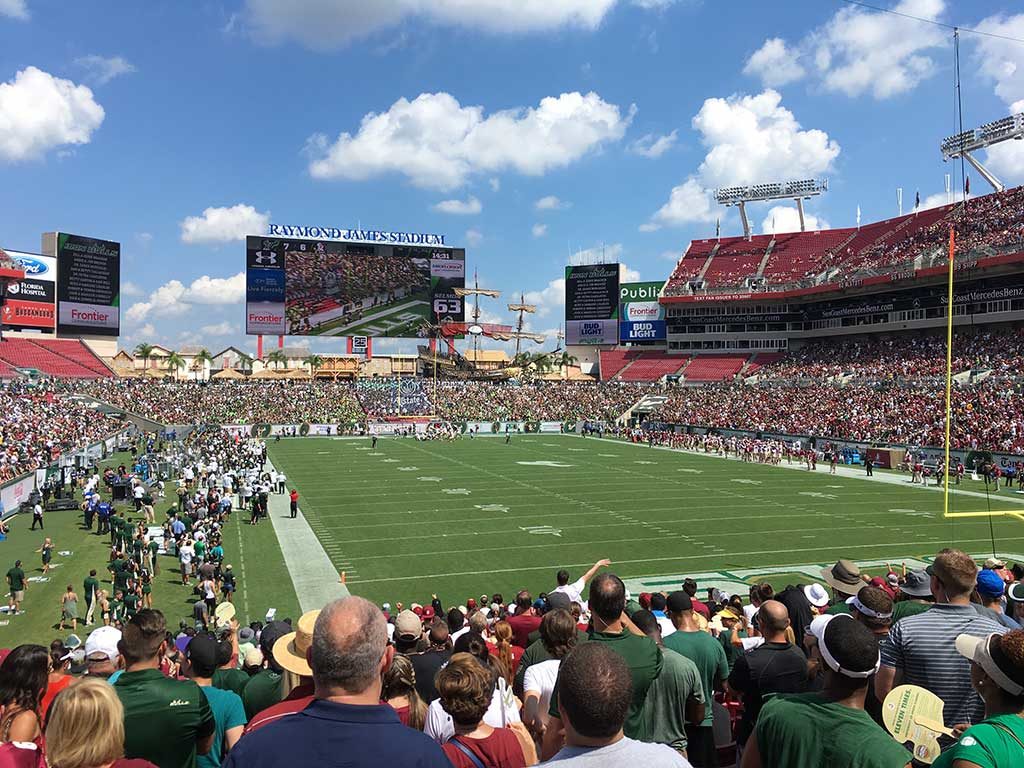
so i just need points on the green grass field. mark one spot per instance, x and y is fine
(253, 552)
(472, 516)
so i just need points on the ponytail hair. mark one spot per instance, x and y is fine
(400, 680)
(503, 639)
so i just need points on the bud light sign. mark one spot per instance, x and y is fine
(590, 331)
(653, 330)
(643, 318)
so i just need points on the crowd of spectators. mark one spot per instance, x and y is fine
(583, 675)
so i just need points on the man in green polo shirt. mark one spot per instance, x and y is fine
(264, 688)
(16, 583)
(611, 626)
(165, 721)
(707, 653)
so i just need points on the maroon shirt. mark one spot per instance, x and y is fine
(296, 701)
(499, 750)
(522, 626)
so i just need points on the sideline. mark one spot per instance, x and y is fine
(313, 575)
(841, 471)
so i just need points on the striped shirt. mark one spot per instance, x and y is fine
(922, 646)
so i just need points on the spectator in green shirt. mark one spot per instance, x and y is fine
(828, 729)
(167, 722)
(997, 674)
(707, 653)
(91, 595)
(16, 585)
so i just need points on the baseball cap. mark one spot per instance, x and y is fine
(994, 562)
(816, 595)
(408, 626)
(558, 600)
(990, 584)
(917, 584)
(253, 657)
(678, 602)
(1015, 592)
(203, 651)
(102, 644)
(988, 654)
(270, 635)
(428, 613)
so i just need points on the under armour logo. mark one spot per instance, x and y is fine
(266, 257)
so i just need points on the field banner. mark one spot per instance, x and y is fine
(550, 426)
(592, 304)
(88, 284)
(642, 317)
(32, 303)
(328, 287)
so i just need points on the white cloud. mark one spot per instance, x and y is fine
(539, 230)
(495, 183)
(670, 255)
(146, 331)
(15, 9)
(628, 275)
(467, 207)
(40, 112)
(859, 51)
(325, 25)
(173, 298)
(102, 69)
(774, 63)
(225, 328)
(437, 143)
(599, 253)
(786, 218)
(653, 146)
(130, 289)
(473, 237)
(551, 203)
(654, 5)
(548, 298)
(938, 200)
(688, 203)
(224, 225)
(749, 139)
(1002, 62)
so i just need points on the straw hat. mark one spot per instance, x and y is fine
(290, 650)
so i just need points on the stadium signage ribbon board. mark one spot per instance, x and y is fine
(329, 287)
(31, 302)
(643, 318)
(592, 304)
(354, 235)
(88, 285)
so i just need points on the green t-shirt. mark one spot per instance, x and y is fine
(90, 588)
(643, 657)
(808, 731)
(233, 680)
(987, 745)
(732, 652)
(905, 608)
(840, 607)
(200, 548)
(163, 718)
(115, 609)
(709, 656)
(116, 566)
(154, 546)
(131, 604)
(228, 713)
(263, 690)
(17, 579)
(664, 710)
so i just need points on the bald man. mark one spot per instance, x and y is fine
(345, 724)
(777, 666)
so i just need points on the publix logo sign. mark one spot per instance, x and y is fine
(639, 292)
(32, 266)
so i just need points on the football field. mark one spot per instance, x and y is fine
(468, 517)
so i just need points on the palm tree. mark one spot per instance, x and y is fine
(144, 351)
(277, 357)
(202, 358)
(174, 363)
(244, 361)
(541, 362)
(565, 362)
(314, 362)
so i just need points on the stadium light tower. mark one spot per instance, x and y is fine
(760, 193)
(996, 132)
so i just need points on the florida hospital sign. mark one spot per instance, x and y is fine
(355, 235)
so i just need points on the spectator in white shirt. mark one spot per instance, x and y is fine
(574, 591)
(558, 634)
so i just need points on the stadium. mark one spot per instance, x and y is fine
(684, 486)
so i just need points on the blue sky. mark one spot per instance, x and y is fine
(525, 130)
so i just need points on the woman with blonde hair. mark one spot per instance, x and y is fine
(85, 728)
(400, 692)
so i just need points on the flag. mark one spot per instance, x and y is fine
(967, 187)
(858, 215)
(917, 199)
(718, 227)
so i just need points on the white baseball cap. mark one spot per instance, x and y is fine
(103, 641)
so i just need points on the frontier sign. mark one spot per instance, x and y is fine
(355, 235)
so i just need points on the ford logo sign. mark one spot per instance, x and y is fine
(33, 266)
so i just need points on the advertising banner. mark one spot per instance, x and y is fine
(88, 285)
(643, 318)
(550, 426)
(14, 493)
(592, 292)
(31, 303)
(591, 331)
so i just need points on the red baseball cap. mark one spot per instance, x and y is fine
(428, 613)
